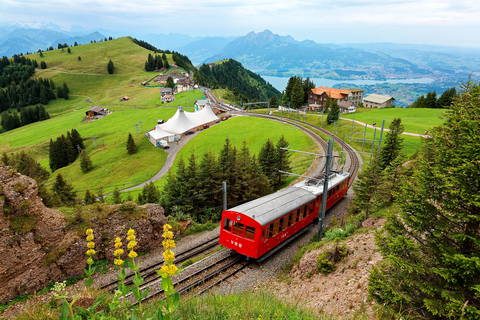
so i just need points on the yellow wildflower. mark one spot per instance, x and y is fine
(131, 237)
(168, 256)
(130, 232)
(91, 245)
(89, 260)
(168, 244)
(118, 262)
(132, 244)
(90, 252)
(168, 235)
(132, 254)
(171, 269)
(118, 252)
(167, 227)
(117, 239)
(164, 269)
(89, 238)
(89, 232)
(118, 244)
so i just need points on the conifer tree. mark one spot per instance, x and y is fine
(366, 187)
(431, 248)
(65, 91)
(334, 113)
(208, 179)
(131, 146)
(110, 67)
(63, 191)
(282, 160)
(85, 162)
(116, 196)
(297, 96)
(76, 139)
(149, 194)
(267, 161)
(89, 198)
(227, 166)
(393, 143)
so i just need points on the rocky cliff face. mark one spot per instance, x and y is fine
(37, 246)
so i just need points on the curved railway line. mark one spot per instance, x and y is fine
(218, 267)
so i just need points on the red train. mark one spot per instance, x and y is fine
(259, 227)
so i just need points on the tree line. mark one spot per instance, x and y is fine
(296, 91)
(247, 176)
(431, 241)
(180, 60)
(431, 100)
(10, 121)
(156, 63)
(65, 149)
(231, 75)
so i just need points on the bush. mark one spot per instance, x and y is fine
(330, 256)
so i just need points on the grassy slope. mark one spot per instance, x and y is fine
(89, 78)
(414, 120)
(239, 128)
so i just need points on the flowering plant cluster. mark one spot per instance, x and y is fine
(167, 270)
(90, 252)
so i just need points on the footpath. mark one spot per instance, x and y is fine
(372, 127)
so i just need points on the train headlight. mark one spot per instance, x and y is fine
(238, 218)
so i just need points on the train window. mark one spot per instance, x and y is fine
(290, 219)
(264, 236)
(281, 225)
(296, 215)
(270, 231)
(275, 228)
(227, 225)
(238, 228)
(249, 232)
(301, 213)
(311, 208)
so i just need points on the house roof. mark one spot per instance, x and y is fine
(202, 102)
(344, 104)
(332, 92)
(377, 98)
(166, 90)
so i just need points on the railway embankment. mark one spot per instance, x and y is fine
(39, 245)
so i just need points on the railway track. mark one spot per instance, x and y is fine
(200, 278)
(352, 158)
(151, 275)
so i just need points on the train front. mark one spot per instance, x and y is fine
(240, 233)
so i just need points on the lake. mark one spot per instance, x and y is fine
(280, 83)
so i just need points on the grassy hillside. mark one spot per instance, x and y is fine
(88, 77)
(415, 120)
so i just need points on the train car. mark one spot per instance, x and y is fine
(254, 229)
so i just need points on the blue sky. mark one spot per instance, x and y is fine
(447, 22)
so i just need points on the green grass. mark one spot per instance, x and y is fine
(415, 120)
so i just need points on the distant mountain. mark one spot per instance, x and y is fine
(204, 48)
(271, 54)
(28, 40)
(79, 39)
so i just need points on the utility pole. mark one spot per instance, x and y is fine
(321, 220)
(224, 189)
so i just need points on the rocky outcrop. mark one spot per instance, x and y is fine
(37, 246)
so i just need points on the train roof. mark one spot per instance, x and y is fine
(271, 207)
(315, 185)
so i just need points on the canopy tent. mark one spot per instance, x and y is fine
(205, 115)
(179, 123)
(158, 134)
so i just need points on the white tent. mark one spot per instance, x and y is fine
(179, 123)
(205, 115)
(158, 134)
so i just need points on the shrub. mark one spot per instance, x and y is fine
(330, 256)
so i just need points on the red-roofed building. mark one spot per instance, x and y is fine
(317, 98)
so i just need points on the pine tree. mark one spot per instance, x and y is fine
(116, 196)
(65, 91)
(446, 98)
(43, 65)
(131, 146)
(282, 161)
(431, 248)
(63, 191)
(85, 162)
(60, 93)
(297, 96)
(150, 194)
(89, 198)
(366, 187)
(110, 67)
(208, 180)
(393, 143)
(170, 83)
(227, 166)
(267, 161)
(334, 113)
